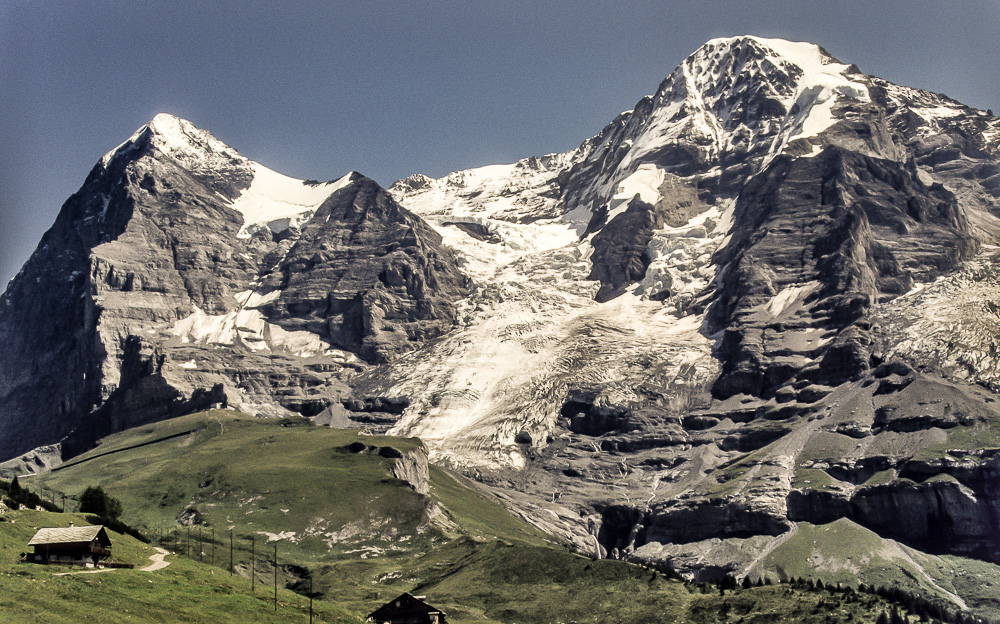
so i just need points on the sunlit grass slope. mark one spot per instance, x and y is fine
(362, 536)
(185, 591)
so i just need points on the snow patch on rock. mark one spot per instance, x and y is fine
(277, 202)
(788, 297)
(246, 327)
(644, 182)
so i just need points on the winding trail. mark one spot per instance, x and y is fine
(157, 559)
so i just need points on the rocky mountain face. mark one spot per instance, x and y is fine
(763, 299)
(183, 275)
(773, 300)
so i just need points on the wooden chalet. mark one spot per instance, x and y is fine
(407, 609)
(86, 545)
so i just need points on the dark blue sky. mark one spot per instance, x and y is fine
(315, 89)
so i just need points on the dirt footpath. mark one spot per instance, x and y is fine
(157, 559)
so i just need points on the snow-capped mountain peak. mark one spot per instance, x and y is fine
(173, 134)
(742, 98)
(265, 198)
(193, 148)
(737, 93)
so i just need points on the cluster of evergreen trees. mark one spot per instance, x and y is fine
(18, 496)
(905, 604)
(919, 606)
(104, 508)
(96, 501)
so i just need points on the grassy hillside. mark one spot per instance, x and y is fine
(340, 518)
(846, 553)
(336, 515)
(185, 591)
(474, 582)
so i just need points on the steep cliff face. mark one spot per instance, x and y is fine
(766, 251)
(368, 274)
(816, 242)
(183, 275)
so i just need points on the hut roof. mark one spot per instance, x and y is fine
(405, 602)
(71, 535)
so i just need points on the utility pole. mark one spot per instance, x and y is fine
(253, 557)
(275, 576)
(230, 552)
(213, 546)
(201, 546)
(187, 544)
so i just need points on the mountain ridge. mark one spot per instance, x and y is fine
(672, 325)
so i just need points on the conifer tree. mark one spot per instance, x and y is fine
(96, 501)
(896, 617)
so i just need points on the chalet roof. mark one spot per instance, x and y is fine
(405, 602)
(71, 535)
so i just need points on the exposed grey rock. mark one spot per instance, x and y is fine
(367, 273)
(412, 467)
(807, 220)
(35, 461)
(151, 242)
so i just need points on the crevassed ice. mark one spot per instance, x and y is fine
(531, 330)
(681, 257)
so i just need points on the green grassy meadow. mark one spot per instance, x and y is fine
(184, 591)
(473, 581)
(341, 521)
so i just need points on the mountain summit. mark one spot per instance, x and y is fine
(761, 300)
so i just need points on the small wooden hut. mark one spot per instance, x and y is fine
(407, 609)
(86, 545)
